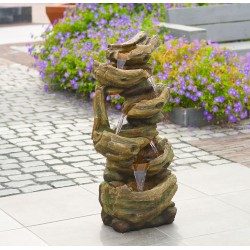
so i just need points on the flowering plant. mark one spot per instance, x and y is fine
(65, 57)
(204, 75)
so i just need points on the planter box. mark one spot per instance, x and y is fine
(193, 117)
(189, 117)
(55, 12)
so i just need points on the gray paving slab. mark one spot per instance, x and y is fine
(8, 223)
(239, 199)
(215, 180)
(48, 206)
(90, 231)
(202, 216)
(229, 238)
(20, 237)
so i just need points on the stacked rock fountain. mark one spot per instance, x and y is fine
(138, 187)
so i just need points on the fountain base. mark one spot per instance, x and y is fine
(166, 217)
(127, 210)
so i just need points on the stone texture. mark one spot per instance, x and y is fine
(7, 192)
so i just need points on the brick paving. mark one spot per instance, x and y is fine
(45, 138)
(234, 148)
(10, 53)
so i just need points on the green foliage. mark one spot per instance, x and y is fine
(203, 75)
(66, 55)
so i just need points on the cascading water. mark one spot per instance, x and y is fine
(152, 82)
(140, 170)
(140, 176)
(120, 63)
(120, 122)
(154, 148)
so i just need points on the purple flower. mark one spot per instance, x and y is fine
(92, 94)
(204, 80)
(243, 115)
(30, 50)
(215, 109)
(194, 98)
(181, 69)
(217, 79)
(54, 49)
(53, 62)
(108, 98)
(64, 52)
(42, 74)
(205, 112)
(213, 91)
(117, 97)
(149, 7)
(183, 87)
(177, 100)
(181, 91)
(232, 118)
(203, 104)
(118, 106)
(76, 86)
(212, 74)
(80, 73)
(46, 87)
(238, 82)
(219, 99)
(237, 109)
(209, 117)
(233, 92)
(73, 82)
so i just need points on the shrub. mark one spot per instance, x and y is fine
(204, 75)
(69, 48)
(65, 56)
(201, 75)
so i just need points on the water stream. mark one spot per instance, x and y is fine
(120, 63)
(152, 82)
(154, 148)
(120, 122)
(140, 176)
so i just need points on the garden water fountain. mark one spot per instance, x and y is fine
(138, 187)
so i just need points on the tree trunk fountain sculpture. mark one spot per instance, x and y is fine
(138, 187)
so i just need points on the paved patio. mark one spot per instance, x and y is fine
(50, 173)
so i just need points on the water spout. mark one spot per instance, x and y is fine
(120, 122)
(140, 171)
(140, 176)
(120, 63)
(154, 148)
(152, 82)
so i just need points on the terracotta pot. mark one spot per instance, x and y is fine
(55, 12)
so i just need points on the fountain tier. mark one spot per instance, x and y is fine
(138, 187)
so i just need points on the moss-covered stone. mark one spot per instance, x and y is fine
(137, 147)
